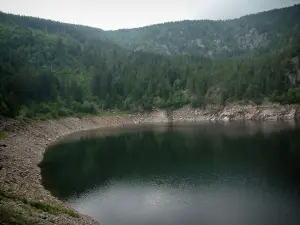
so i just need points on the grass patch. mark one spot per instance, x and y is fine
(7, 216)
(52, 209)
(40, 116)
(45, 207)
(3, 134)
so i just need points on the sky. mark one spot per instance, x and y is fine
(117, 14)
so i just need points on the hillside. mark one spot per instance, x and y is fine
(254, 34)
(50, 69)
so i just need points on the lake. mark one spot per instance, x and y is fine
(235, 173)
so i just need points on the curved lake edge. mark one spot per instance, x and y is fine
(22, 150)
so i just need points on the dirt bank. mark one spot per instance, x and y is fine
(23, 199)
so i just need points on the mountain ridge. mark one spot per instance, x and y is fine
(193, 20)
(223, 38)
(252, 34)
(175, 21)
(50, 69)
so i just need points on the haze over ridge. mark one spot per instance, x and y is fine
(116, 14)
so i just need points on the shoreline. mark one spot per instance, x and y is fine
(22, 195)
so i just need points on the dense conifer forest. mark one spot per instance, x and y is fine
(50, 69)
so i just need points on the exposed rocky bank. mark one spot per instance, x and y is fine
(23, 199)
(238, 112)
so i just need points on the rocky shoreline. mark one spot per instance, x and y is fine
(23, 199)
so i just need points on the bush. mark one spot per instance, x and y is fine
(3, 108)
(86, 107)
(127, 103)
(294, 95)
(61, 112)
(44, 108)
(3, 134)
(290, 97)
(40, 116)
(54, 115)
(24, 112)
(258, 101)
(198, 102)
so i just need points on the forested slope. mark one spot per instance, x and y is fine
(249, 35)
(50, 69)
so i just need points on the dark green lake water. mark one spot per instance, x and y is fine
(221, 173)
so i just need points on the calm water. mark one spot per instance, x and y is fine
(215, 174)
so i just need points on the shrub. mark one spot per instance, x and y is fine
(40, 116)
(198, 102)
(258, 101)
(23, 112)
(127, 103)
(63, 112)
(44, 108)
(86, 107)
(3, 134)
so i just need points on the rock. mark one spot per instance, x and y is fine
(238, 112)
(226, 118)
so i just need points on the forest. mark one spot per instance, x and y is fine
(50, 69)
(264, 32)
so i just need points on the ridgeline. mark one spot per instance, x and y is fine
(51, 69)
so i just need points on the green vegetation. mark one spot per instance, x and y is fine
(49, 208)
(250, 35)
(7, 216)
(50, 69)
(3, 134)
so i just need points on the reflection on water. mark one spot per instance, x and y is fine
(236, 173)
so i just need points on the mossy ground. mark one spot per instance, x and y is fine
(3, 134)
(10, 216)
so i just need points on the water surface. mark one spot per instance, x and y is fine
(232, 173)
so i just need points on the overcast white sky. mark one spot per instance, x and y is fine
(116, 14)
